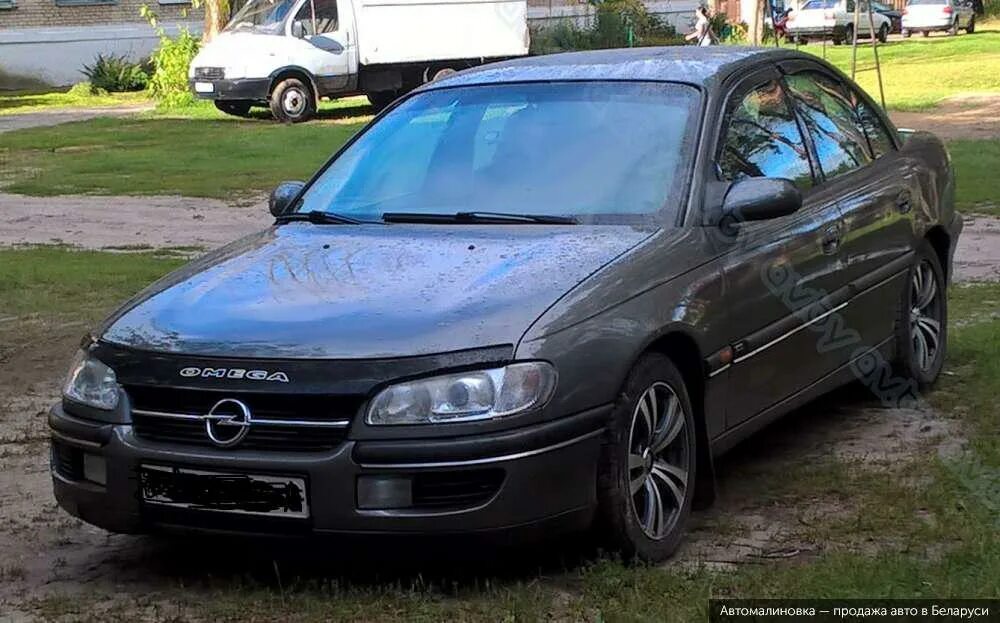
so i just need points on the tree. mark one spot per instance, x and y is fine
(216, 16)
(755, 23)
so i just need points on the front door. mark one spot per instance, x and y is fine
(780, 273)
(321, 43)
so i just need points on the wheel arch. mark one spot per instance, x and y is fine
(683, 350)
(293, 71)
(940, 240)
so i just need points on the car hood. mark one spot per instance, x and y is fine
(365, 291)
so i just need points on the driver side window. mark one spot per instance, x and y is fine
(326, 17)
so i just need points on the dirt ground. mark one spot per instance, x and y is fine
(972, 116)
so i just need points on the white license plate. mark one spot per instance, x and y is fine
(247, 494)
(204, 87)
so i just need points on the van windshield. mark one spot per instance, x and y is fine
(264, 16)
(593, 151)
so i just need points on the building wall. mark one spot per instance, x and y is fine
(69, 13)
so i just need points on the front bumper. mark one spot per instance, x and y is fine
(548, 473)
(248, 89)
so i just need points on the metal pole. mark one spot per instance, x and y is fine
(854, 43)
(878, 67)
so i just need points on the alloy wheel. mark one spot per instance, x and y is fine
(925, 316)
(658, 460)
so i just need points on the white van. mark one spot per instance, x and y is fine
(287, 54)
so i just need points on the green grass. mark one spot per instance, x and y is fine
(223, 158)
(57, 280)
(12, 103)
(976, 166)
(918, 73)
(878, 547)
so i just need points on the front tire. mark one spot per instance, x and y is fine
(648, 464)
(292, 101)
(922, 320)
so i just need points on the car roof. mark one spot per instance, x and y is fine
(701, 66)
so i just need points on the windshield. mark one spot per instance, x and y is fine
(595, 151)
(265, 16)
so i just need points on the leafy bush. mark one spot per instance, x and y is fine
(169, 82)
(85, 89)
(116, 73)
(617, 24)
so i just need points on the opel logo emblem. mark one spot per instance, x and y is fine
(227, 422)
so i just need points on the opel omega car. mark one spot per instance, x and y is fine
(545, 292)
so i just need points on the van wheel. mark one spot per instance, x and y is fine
(883, 33)
(971, 26)
(925, 33)
(954, 28)
(922, 320)
(237, 108)
(292, 101)
(646, 477)
(380, 99)
(906, 33)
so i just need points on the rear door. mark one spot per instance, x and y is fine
(777, 270)
(875, 187)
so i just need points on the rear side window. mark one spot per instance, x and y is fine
(763, 140)
(831, 121)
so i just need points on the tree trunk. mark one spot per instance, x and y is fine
(216, 16)
(755, 24)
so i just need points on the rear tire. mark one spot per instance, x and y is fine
(922, 320)
(906, 33)
(381, 99)
(971, 26)
(953, 31)
(925, 33)
(292, 101)
(647, 470)
(236, 108)
(883, 33)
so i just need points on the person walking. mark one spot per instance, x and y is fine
(702, 34)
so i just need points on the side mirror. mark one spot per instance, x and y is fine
(298, 29)
(282, 197)
(759, 199)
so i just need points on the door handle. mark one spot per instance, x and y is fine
(903, 204)
(831, 239)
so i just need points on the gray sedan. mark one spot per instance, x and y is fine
(546, 291)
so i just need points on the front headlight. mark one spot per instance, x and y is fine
(466, 396)
(91, 383)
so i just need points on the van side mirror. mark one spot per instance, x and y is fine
(759, 199)
(282, 197)
(298, 29)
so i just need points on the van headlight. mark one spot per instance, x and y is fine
(91, 383)
(466, 396)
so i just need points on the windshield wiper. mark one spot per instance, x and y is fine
(477, 217)
(318, 217)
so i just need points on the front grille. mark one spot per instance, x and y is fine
(288, 417)
(456, 489)
(209, 73)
